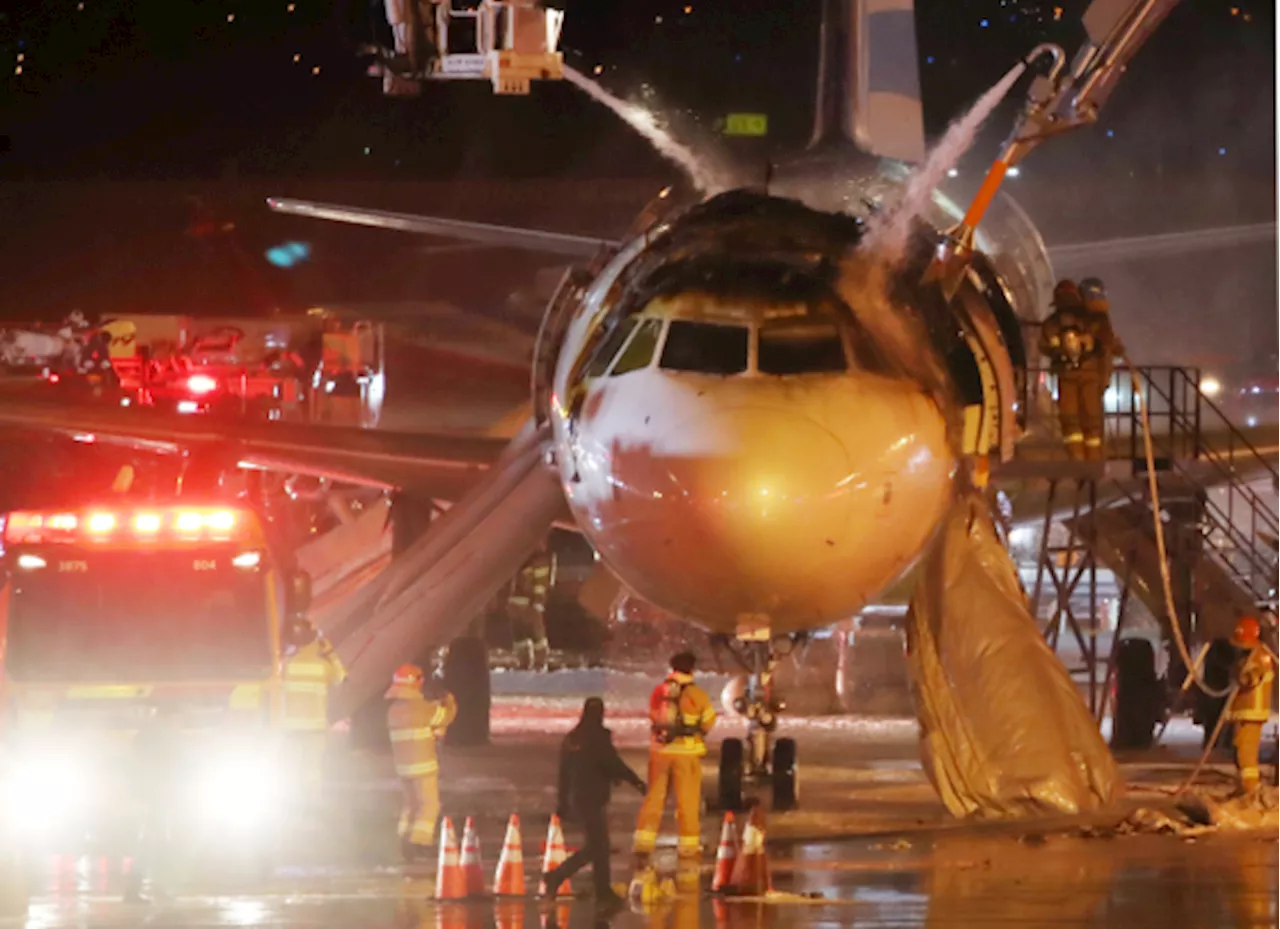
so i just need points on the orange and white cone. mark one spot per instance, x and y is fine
(472, 875)
(751, 873)
(726, 856)
(508, 881)
(450, 884)
(553, 856)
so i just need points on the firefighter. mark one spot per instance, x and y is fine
(527, 608)
(415, 720)
(1079, 344)
(589, 767)
(1251, 706)
(1098, 309)
(310, 673)
(680, 716)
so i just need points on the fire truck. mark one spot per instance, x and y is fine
(129, 619)
(315, 367)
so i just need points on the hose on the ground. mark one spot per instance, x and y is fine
(1161, 552)
(1210, 744)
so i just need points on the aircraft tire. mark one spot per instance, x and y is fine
(1137, 709)
(466, 676)
(786, 776)
(731, 768)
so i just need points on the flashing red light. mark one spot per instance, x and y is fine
(147, 523)
(62, 522)
(220, 520)
(186, 524)
(201, 384)
(189, 522)
(100, 523)
(54, 378)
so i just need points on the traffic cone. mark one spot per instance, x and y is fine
(751, 873)
(726, 856)
(553, 856)
(450, 884)
(472, 876)
(508, 881)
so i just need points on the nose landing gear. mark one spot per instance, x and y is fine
(757, 760)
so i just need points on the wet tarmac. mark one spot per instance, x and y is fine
(1223, 882)
(871, 846)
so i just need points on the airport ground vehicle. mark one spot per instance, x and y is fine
(316, 367)
(143, 656)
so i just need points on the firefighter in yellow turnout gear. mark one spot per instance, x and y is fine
(310, 673)
(527, 608)
(680, 716)
(1080, 344)
(415, 720)
(1251, 706)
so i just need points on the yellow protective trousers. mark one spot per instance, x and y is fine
(1248, 739)
(1080, 410)
(680, 774)
(420, 809)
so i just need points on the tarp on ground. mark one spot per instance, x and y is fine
(1004, 732)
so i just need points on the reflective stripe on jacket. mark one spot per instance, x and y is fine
(1255, 674)
(414, 723)
(308, 676)
(533, 584)
(696, 712)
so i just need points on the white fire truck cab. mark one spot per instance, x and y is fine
(130, 622)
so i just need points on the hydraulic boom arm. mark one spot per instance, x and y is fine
(1063, 99)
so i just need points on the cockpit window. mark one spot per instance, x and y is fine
(706, 348)
(609, 348)
(639, 351)
(801, 349)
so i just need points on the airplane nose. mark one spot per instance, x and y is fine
(763, 511)
(777, 486)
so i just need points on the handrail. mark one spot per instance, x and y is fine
(1184, 422)
(1196, 424)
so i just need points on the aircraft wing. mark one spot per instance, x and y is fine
(1076, 255)
(440, 466)
(1106, 252)
(538, 240)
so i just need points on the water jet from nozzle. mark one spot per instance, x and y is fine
(701, 174)
(889, 231)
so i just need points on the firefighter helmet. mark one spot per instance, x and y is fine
(1066, 293)
(684, 662)
(1092, 288)
(408, 674)
(1247, 632)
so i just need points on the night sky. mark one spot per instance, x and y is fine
(174, 87)
(101, 91)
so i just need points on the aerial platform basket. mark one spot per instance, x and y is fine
(507, 42)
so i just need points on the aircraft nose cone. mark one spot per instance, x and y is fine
(776, 489)
(756, 515)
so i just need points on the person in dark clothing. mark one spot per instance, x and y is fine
(589, 767)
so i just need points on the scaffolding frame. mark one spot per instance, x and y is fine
(1068, 566)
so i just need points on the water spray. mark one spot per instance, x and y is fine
(889, 232)
(1058, 101)
(643, 120)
